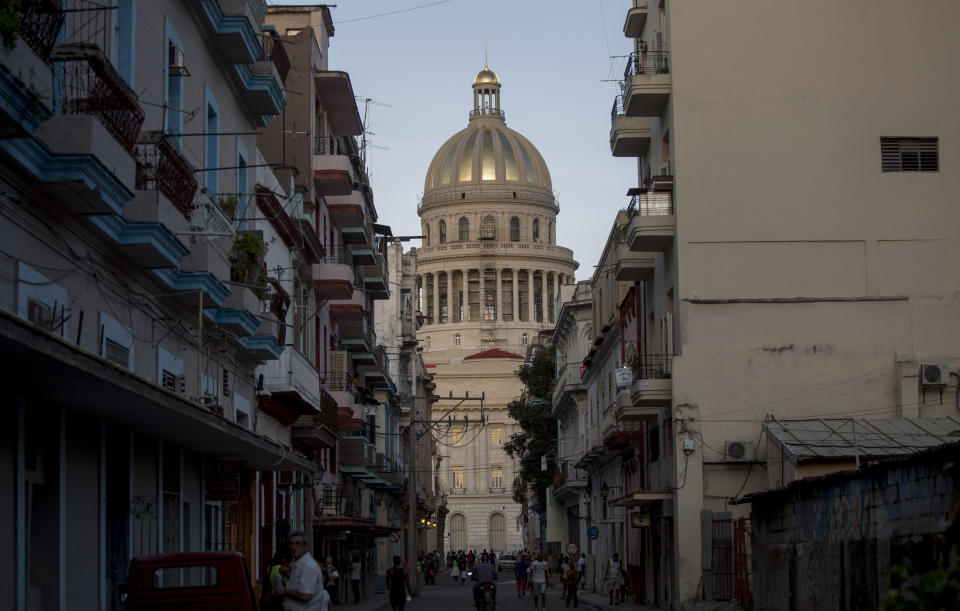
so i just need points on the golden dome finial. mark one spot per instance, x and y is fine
(485, 66)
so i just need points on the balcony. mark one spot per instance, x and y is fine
(636, 19)
(336, 94)
(275, 51)
(456, 491)
(40, 22)
(349, 310)
(652, 387)
(332, 175)
(346, 210)
(333, 279)
(375, 279)
(363, 256)
(147, 245)
(629, 136)
(296, 233)
(356, 236)
(652, 224)
(496, 489)
(633, 266)
(568, 385)
(92, 86)
(234, 28)
(236, 317)
(26, 80)
(261, 89)
(261, 347)
(161, 167)
(211, 240)
(186, 286)
(647, 84)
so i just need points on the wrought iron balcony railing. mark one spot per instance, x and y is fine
(658, 203)
(653, 367)
(92, 86)
(647, 62)
(40, 22)
(161, 167)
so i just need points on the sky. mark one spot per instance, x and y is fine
(553, 60)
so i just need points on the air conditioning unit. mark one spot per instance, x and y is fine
(739, 451)
(934, 375)
(176, 65)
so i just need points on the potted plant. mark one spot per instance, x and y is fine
(247, 261)
(228, 204)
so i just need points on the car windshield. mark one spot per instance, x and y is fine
(507, 557)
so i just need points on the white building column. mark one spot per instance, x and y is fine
(516, 296)
(436, 298)
(499, 300)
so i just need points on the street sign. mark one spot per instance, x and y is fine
(593, 532)
(624, 377)
(395, 536)
(572, 548)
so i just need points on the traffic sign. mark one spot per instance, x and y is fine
(572, 548)
(593, 532)
(395, 536)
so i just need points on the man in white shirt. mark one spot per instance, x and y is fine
(612, 575)
(582, 569)
(304, 591)
(539, 570)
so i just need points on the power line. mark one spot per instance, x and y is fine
(404, 10)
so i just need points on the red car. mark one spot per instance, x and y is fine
(189, 581)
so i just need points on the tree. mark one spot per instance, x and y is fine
(538, 427)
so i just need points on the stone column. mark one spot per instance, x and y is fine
(543, 295)
(499, 301)
(516, 296)
(450, 309)
(436, 298)
(530, 310)
(483, 292)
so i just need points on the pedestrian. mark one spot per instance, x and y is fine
(277, 575)
(561, 570)
(471, 557)
(582, 570)
(398, 585)
(454, 571)
(612, 576)
(520, 570)
(355, 579)
(304, 589)
(541, 571)
(573, 578)
(331, 575)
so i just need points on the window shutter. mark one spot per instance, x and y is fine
(909, 155)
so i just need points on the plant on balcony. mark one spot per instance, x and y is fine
(9, 22)
(247, 261)
(229, 204)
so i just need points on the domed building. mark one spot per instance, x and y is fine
(488, 274)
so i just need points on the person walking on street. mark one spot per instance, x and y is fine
(304, 590)
(520, 570)
(355, 579)
(582, 570)
(398, 585)
(612, 576)
(541, 571)
(454, 571)
(573, 578)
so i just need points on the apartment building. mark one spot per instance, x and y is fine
(787, 250)
(134, 305)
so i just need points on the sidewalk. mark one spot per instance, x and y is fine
(376, 602)
(589, 600)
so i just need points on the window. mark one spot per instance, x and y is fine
(496, 477)
(514, 229)
(458, 433)
(909, 154)
(488, 231)
(498, 532)
(212, 144)
(426, 233)
(443, 231)
(536, 230)
(456, 339)
(242, 185)
(496, 436)
(169, 380)
(458, 531)
(457, 472)
(464, 229)
(174, 93)
(126, 26)
(115, 353)
(524, 339)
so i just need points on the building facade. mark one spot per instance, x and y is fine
(812, 283)
(488, 274)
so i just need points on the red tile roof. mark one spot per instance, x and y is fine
(493, 353)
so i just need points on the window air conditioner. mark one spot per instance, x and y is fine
(175, 62)
(934, 375)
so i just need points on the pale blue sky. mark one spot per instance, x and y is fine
(552, 58)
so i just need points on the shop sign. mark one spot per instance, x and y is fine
(638, 519)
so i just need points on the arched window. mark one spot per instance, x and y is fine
(443, 231)
(524, 339)
(456, 339)
(549, 232)
(488, 231)
(464, 229)
(536, 230)
(514, 229)
(426, 233)
(458, 531)
(498, 532)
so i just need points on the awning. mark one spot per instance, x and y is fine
(643, 497)
(358, 525)
(45, 368)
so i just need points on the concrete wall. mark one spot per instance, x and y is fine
(830, 542)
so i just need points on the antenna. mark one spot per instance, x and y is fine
(363, 137)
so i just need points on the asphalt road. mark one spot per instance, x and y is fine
(448, 597)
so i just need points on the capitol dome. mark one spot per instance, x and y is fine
(487, 152)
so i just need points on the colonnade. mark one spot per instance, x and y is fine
(504, 294)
